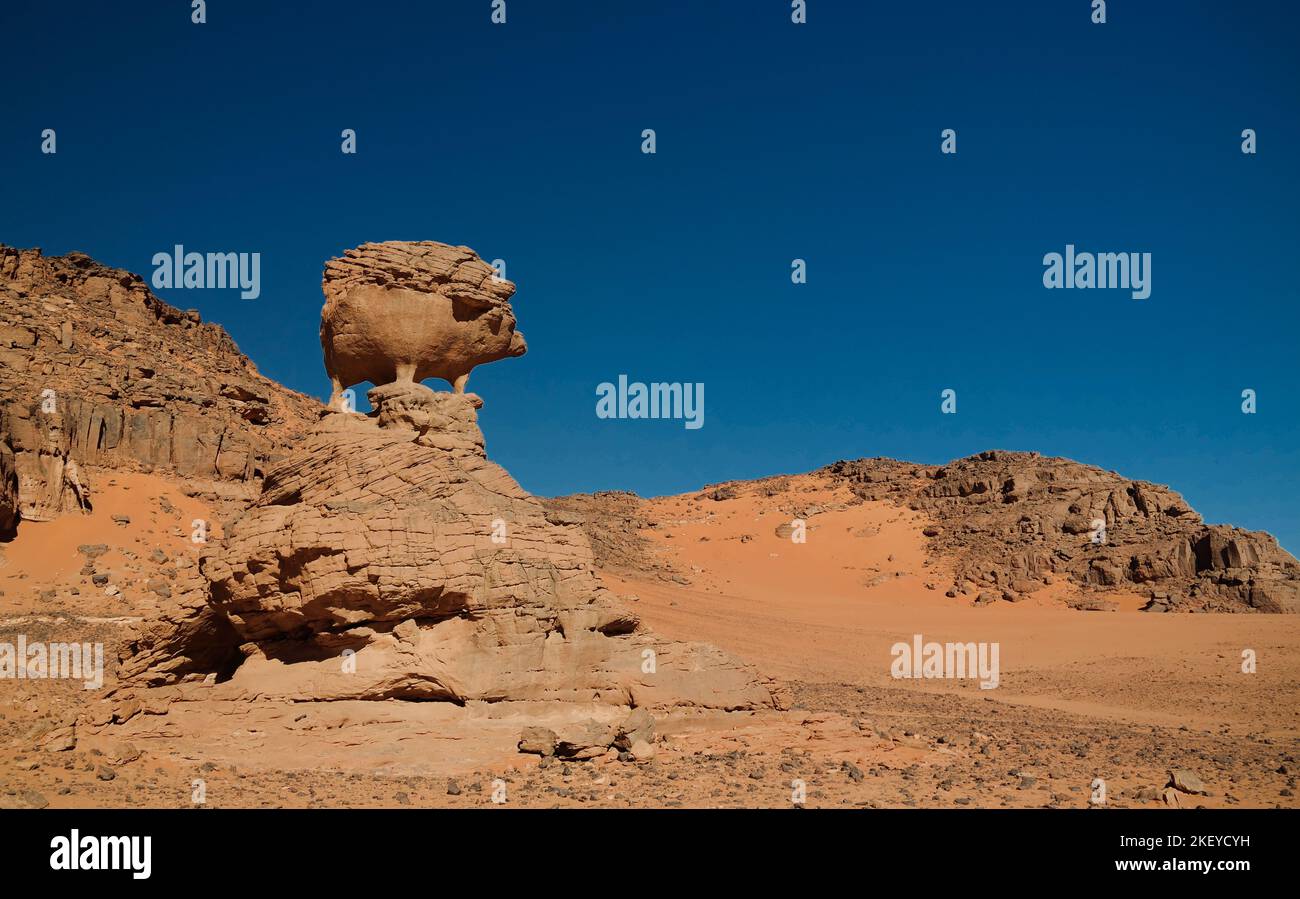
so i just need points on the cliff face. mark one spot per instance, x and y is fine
(97, 371)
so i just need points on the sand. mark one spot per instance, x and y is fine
(1083, 697)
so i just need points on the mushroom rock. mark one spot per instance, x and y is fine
(406, 311)
(388, 558)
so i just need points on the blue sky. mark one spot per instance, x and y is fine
(775, 142)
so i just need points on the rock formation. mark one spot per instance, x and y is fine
(399, 311)
(1012, 519)
(1008, 524)
(97, 371)
(388, 558)
(8, 491)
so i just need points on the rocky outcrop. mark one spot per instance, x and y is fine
(8, 491)
(388, 558)
(49, 483)
(401, 311)
(190, 640)
(97, 371)
(614, 523)
(1011, 521)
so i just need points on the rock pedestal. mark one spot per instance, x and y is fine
(388, 558)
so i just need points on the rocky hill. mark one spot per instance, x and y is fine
(1009, 523)
(1009, 519)
(96, 371)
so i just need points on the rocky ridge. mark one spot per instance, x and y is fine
(1011, 523)
(1015, 520)
(96, 371)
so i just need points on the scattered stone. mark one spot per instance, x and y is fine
(538, 740)
(1186, 781)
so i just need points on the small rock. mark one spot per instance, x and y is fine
(642, 751)
(538, 740)
(1186, 781)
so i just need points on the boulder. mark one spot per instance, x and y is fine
(538, 740)
(407, 311)
(639, 726)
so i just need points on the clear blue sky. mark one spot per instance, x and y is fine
(775, 141)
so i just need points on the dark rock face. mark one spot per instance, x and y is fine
(97, 371)
(1010, 516)
(8, 491)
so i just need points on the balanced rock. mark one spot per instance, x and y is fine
(388, 558)
(401, 311)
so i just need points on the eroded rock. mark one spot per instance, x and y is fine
(406, 311)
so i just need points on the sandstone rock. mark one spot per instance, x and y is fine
(585, 740)
(1094, 604)
(641, 751)
(61, 739)
(339, 551)
(387, 558)
(9, 502)
(613, 524)
(190, 637)
(1186, 781)
(1010, 518)
(139, 385)
(24, 798)
(400, 311)
(638, 726)
(49, 483)
(538, 740)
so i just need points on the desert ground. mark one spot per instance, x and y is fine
(1121, 696)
